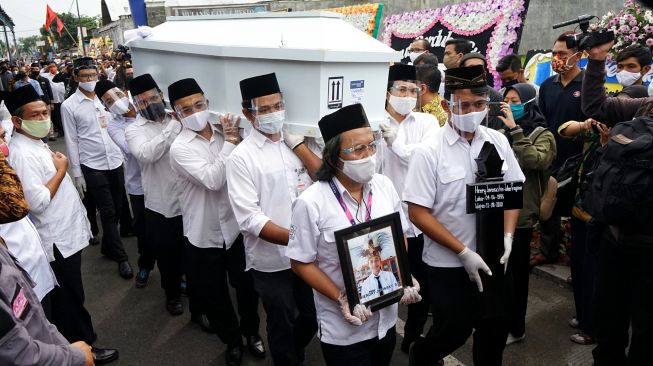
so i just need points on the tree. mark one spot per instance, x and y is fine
(27, 45)
(71, 23)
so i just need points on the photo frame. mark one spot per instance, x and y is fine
(374, 262)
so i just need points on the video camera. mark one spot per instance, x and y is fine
(585, 40)
(121, 53)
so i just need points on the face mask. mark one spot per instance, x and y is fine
(509, 83)
(36, 128)
(468, 122)
(53, 70)
(402, 105)
(361, 170)
(627, 78)
(89, 86)
(34, 74)
(271, 123)
(121, 106)
(154, 112)
(414, 55)
(561, 65)
(5, 149)
(196, 121)
(20, 75)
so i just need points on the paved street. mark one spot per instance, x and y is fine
(135, 321)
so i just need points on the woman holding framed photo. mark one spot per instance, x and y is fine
(349, 194)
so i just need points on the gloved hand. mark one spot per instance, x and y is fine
(507, 248)
(80, 184)
(411, 293)
(292, 141)
(389, 133)
(474, 263)
(361, 312)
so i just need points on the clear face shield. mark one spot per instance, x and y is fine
(468, 111)
(269, 113)
(150, 105)
(193, 112)
(116, 101)
(404, 96)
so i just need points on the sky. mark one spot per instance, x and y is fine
(29, 15)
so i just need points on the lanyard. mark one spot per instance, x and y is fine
(336, 193)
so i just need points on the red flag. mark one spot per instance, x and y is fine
(59, 26)
(50, 15)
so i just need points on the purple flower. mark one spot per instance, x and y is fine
(633, 23)
(634, 29)
(649, 42)
(648, 29)
(624, 29)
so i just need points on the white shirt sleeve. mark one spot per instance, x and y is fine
(210, 174)
(304, 232)
(150, 150)
(514, 172)
(72, 143)
(244, 197)
(31, 178)
(422, 170)
(404, 151)
(117, 134)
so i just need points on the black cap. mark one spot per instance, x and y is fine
(402, 72)
(259, 86)
(35, 64)
(344, 119)
(465, 78)
(21, 96)
(103, 86)
(141, 84)
(84, 62)
(183, 88)
(472, 55)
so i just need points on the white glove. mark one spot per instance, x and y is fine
(291, 140)
(411, 293)
(80, 184)
(361, 312)
(507, 248)
(474, 263)
(389, 133)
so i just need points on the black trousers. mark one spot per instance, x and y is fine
(550, 234)
(283, 294)
(519, 266)
(207, 273)
(623, 297)
(56, 118)
(106, 187)
(146, 254)
(583, 273)
(126, 221)
(455, 302)
(91, 213)
(67, 300)
(372, 352)
(417, 312)
(167, 234)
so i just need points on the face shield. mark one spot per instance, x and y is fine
(116, 101)
(150, 105)
(269, 113)
(468, 111)
(194, 115)
(404, 96)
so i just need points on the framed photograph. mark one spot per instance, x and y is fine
(374, 262)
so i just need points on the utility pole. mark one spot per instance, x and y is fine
(11, 61)
(81, 35)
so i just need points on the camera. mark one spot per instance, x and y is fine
(585, 40)
(121, 53)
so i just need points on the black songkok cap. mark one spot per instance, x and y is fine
(21, 96)
(473, 55)
(83, 62)
(141, 84)
(102, 87)
(183, 88)
(465, 78)
(259, 86)
(402, 72)
(344, 119)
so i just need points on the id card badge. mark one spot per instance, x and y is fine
(101, 117)
(301, 185)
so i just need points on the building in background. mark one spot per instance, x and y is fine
(116, 19)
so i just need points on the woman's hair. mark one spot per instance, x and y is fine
(330, 156)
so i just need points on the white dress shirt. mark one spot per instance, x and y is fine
(316, 215)
(370, 287)
(439, 172)
(117, 126)
(411, 132)
(150, 143)
(209, 221)
(60, 220)
(24, 243)
(87, 140)
(58, 89)
(264, 179)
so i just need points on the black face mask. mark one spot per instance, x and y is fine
(34, 74)
(510, 83)
(20, 75)
(154, 112)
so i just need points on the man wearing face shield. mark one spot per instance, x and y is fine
(122, 114)
(265, 175)
(214, 247)
(149, 139)
(403, 131)
(96, 161)
(440, 171)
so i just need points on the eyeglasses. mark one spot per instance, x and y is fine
(265, 109)
(361, 148)
(87, 77)
(416, 50)
(403, 90)
(198, 106)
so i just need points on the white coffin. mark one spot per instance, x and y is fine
(321, 61)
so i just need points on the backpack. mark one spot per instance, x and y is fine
(548, 184)
(620, 187)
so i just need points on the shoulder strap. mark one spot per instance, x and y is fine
(536, 133)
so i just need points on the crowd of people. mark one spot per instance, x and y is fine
(215, 205)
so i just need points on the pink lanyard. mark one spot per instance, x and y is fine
(335, 191)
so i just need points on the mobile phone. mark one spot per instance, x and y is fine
(494, 109)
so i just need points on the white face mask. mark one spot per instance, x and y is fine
(361, 170)
(402, 105)
(121, 106)
(271, 123)
(627, 78)
(414, 55)
(89, 86)
(196, 121)
(468, 122)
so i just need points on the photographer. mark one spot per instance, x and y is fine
(123, 58)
